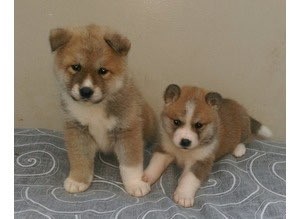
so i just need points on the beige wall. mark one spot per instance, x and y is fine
(236, 47)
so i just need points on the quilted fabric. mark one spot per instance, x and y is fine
(249, 187)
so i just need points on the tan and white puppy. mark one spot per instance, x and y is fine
(199, 127)
(104, 111)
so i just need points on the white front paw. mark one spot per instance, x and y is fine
(73, 186)
(137, 188)
(184, 199)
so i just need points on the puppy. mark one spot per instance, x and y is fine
(199, 127)
(104, 111)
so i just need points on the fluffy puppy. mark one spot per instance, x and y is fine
(104, 111)
(199, 127)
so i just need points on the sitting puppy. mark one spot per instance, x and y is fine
(103, 109)
(199, 127)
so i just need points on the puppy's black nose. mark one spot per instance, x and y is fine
(185, 142)
(86, 92)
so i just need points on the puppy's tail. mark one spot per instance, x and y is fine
(259, 129)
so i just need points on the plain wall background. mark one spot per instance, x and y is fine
(234, 47)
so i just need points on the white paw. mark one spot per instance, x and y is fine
(73, 186)
(137, 188)
(240, 150)
(184, 199)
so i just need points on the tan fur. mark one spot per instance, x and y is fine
(80, 157)
(117, 120)
(225, 126)
(230, 122)
(234, 127)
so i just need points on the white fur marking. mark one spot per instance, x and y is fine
(190, 108)
(129, 173)
(186, 132)
(118, 84)
(87, 82)
(132, 180)
(75, 91)
(264, 131)
(240, 150)
(95, 117)
(97, 95)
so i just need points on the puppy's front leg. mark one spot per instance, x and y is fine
(81, 153)
(130, 154)
(190, 182)
(158, 164)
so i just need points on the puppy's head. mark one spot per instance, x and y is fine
(90, 61)
(190, 116)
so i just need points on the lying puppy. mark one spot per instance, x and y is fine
(199, 127)
(104, 111)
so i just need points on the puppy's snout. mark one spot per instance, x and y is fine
(86, 92)
(185, 142)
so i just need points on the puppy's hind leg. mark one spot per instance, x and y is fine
(240, 150)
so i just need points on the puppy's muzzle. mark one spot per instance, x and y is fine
(86, 92)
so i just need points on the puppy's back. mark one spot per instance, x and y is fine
(234, 126)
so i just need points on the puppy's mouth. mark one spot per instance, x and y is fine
(87, 100)
(185, 148)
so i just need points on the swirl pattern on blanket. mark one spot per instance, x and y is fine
(252, 186)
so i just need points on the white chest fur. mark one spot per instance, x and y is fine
(95, 117)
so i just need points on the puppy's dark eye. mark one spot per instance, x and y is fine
(102, 71)
(198, 125)
(76, 67)
(177, 122)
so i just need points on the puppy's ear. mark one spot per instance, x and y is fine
(214, 99)
(172, 93)
(58, 37)
(120, 44)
